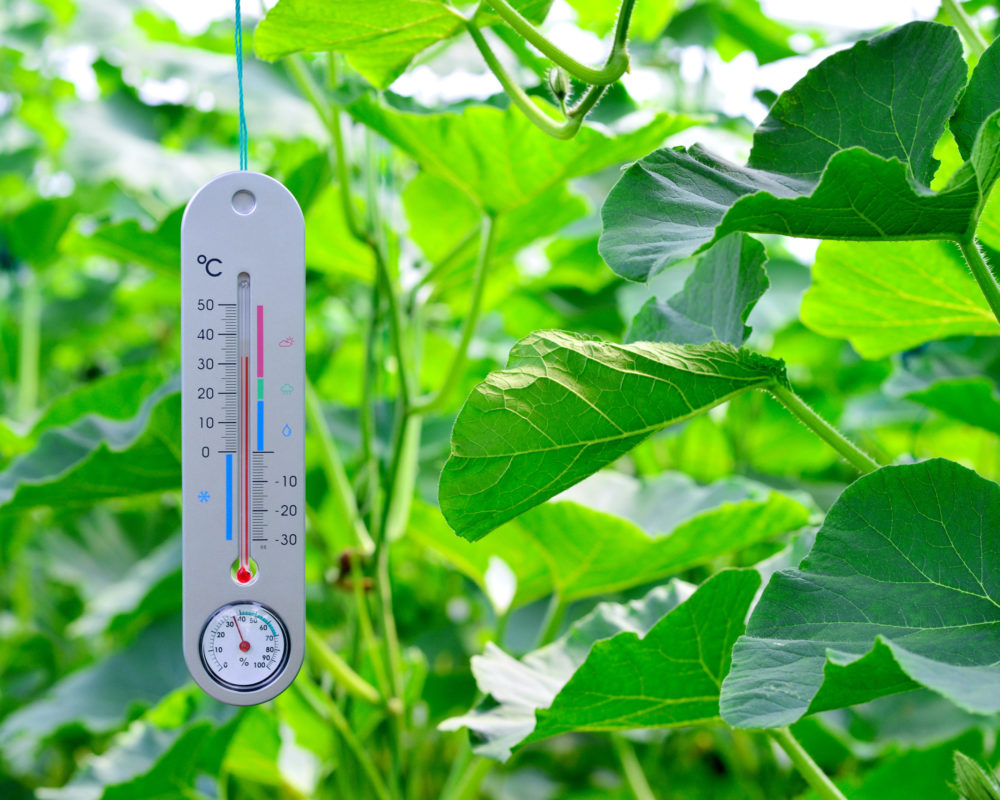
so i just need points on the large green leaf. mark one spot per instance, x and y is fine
(119, 396)
(498, 157)
(99, 697)
(716, 299)
(888, 297)
(96, 458)
(379, 37)
(632, 533)
(980, 101)
(846, 153)
(901, 589)
(442, 217)
(566, 406)
(969, 400)
(652, 663)
(143, 761)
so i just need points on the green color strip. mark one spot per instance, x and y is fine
(260, 388)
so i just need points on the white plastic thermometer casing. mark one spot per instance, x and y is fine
(243, 428)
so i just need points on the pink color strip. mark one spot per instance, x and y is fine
(260, 341)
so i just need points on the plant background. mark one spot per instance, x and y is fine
(111, 115)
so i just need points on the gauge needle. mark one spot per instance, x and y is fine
(244, 644)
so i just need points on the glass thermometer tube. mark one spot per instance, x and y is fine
(245, 570)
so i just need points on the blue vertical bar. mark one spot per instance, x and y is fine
(229, 497)
(260, 424)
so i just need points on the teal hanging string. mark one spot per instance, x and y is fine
(239, 81)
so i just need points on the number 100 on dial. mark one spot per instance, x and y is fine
(243, 429)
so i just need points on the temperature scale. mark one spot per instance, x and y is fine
(243, 418)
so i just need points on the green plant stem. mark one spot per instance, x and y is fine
(973, 38)
(631, 768)
(402, 477)
(467, 786)
(326, 706)
(617, 61)
(366, 628)
(326, 658)
(487, 246)
(369, 377)
(336, 475)
(397, 333)
(330, 117)
(809, 769)
(824, 430)
(982, 273)
(553, 619)
(557, 130)
(29, 346)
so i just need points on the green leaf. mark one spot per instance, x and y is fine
(969, 400)
(901, 589)
(732, 27)
(612, 532)
(119, 395)
(888, 297)
(441, 216)
(143, 761)
(131, 243)
(716, 299)
(99, 697)
(922, 773)
(330, 246)
(498, 157)
(846, 153)
(648, 19)
(34, 233)
(566, 406)
(379, 37)
(980, 101)
(97, 458)
(652, 663)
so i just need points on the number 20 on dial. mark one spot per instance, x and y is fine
(243, 428)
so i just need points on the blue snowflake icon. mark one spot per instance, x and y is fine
(203, 496)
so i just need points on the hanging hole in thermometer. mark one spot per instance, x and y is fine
(243, 419)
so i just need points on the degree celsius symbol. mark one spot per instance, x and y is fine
(243, 491)
(208, 262)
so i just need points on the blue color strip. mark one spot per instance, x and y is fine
(260, 424)
(229, 497)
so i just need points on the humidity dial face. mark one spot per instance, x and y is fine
(244, 646)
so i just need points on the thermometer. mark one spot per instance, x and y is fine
(243, 415)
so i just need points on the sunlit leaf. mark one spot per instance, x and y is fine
(499, 158)
(379, 38)
(566, 406)
(887, 297)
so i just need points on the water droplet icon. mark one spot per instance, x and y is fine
(286, 431)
